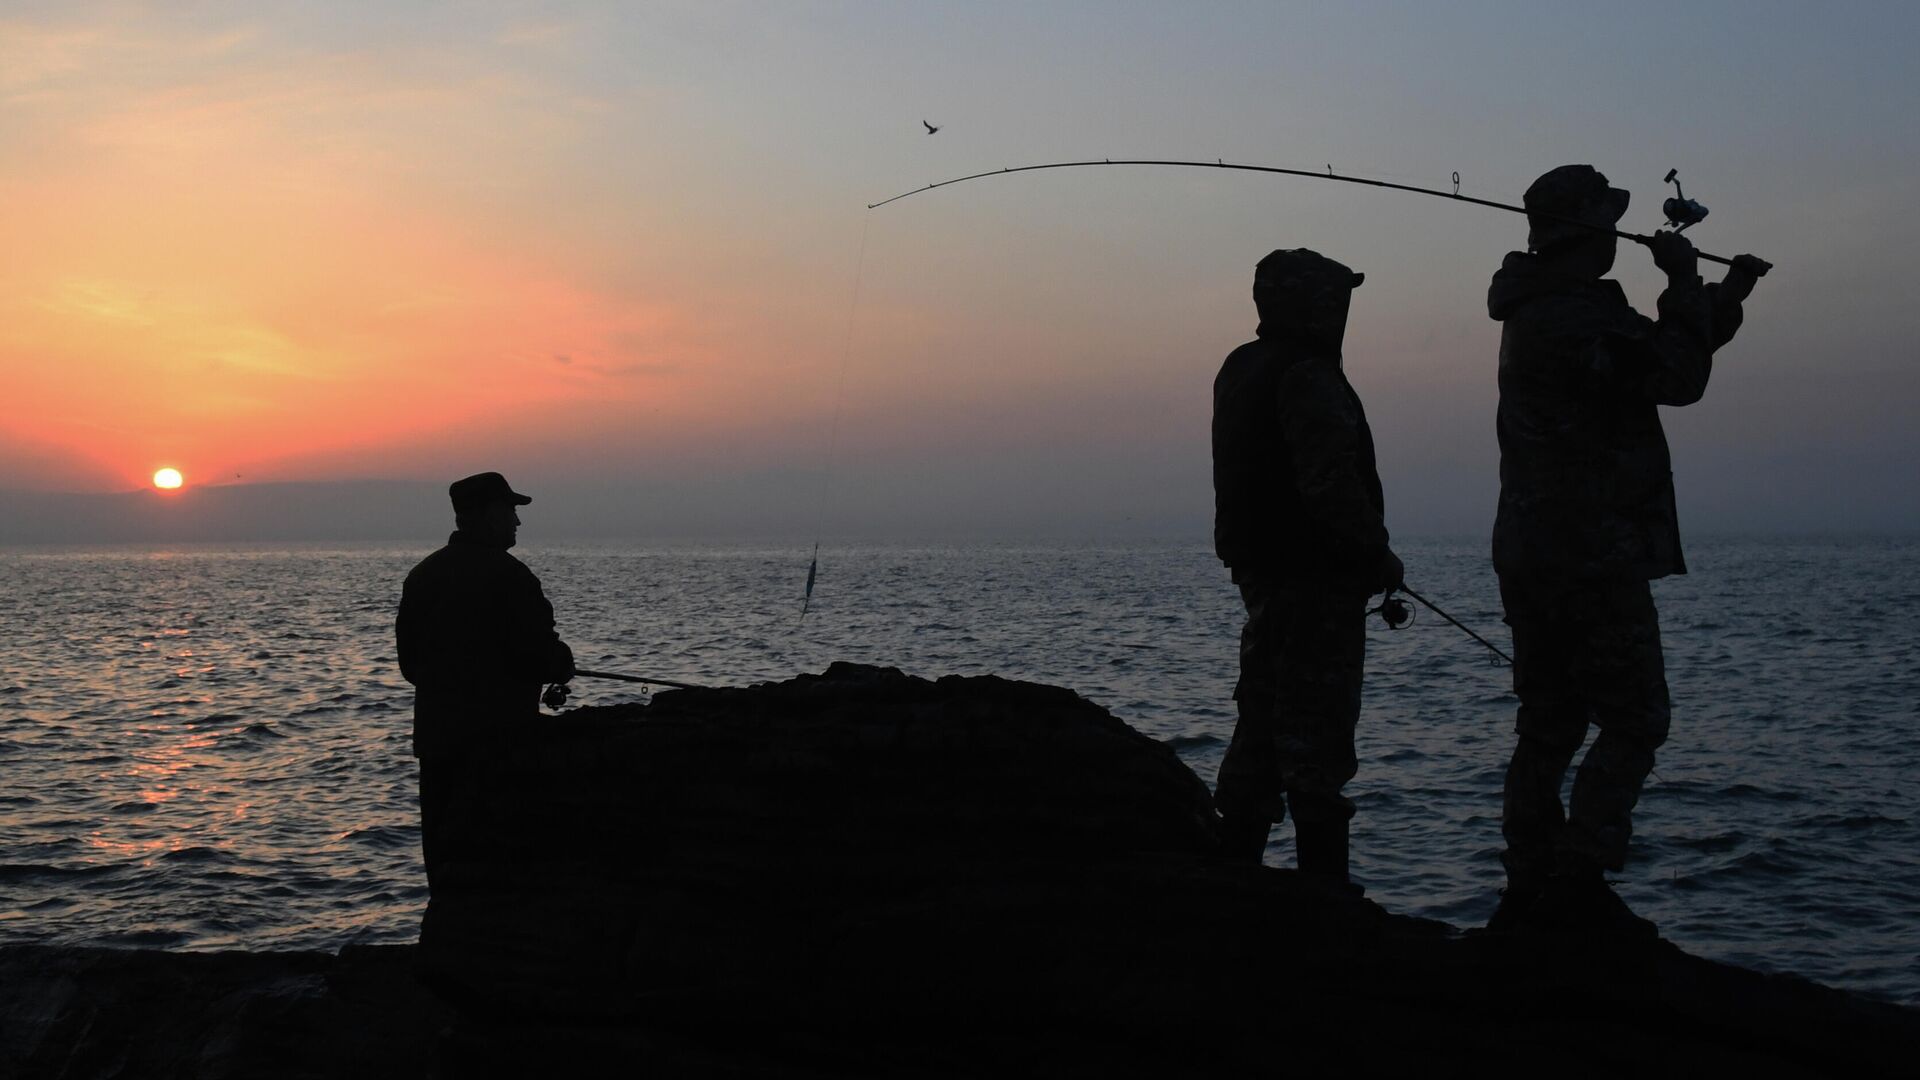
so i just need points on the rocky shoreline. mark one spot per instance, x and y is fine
(865, 873)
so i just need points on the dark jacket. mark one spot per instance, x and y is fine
(1586, 481)
(476, 640)
(1296, 495)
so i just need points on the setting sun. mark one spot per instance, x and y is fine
(168, 479)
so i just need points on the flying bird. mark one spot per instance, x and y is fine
(930, 128)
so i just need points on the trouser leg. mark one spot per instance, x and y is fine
(1248, 792)
(1628, 688)
(1532, 818)
(450, 797)
(1583, 652)
(1302, 658)
(1550, 723)
(1321, 663)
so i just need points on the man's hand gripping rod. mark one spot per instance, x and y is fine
(1397, 615)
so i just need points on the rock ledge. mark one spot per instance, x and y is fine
(862, 872)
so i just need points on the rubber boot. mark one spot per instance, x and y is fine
(1517, 903)
(1242, 838)
(1321, 847)
(1578, 900)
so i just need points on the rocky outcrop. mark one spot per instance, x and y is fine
(76, 1012)
(863, 873)
(722, 843)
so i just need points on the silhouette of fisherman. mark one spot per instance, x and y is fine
(1586, 520)
(477, 641)
(1299, 520)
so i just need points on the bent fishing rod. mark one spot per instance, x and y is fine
(1681, 211)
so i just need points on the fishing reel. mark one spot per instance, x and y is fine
(556, 696)
(1395, 612)
(1681, 211)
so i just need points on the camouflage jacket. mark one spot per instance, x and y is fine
(1296, 494)
(1586, 482)
(476, 639)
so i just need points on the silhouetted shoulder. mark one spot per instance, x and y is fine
(1242, 363)
(476, 561)
(1314, 382)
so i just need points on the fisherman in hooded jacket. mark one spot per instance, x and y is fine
(476, 639)
(1586, 520)
(1299, 520)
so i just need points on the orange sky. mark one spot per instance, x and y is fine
(229, 265)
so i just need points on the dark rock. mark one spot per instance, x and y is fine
(723, 842)
(78, 1012)
(863, 873)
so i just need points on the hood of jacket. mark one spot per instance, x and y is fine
(1524, 276)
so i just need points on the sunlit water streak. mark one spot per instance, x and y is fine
(209, 748)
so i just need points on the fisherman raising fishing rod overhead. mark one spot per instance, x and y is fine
(1300, 521)
(1586, 520)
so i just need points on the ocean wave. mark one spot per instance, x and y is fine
(1848, 822)
(1189, 742)
(144, 939)
(196, 854)
(14, 873)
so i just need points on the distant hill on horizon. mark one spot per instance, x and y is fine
(418, 511)
(782, 507)
(340, 510)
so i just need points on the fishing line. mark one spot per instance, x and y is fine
(839, 403)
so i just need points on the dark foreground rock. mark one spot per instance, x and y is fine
(863, 873)
(77, 1012)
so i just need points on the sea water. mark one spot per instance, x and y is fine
(207, 748)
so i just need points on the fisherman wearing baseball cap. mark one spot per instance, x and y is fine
(1586, 520)
(475, 493)
(1300, 522)
(477, 641)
